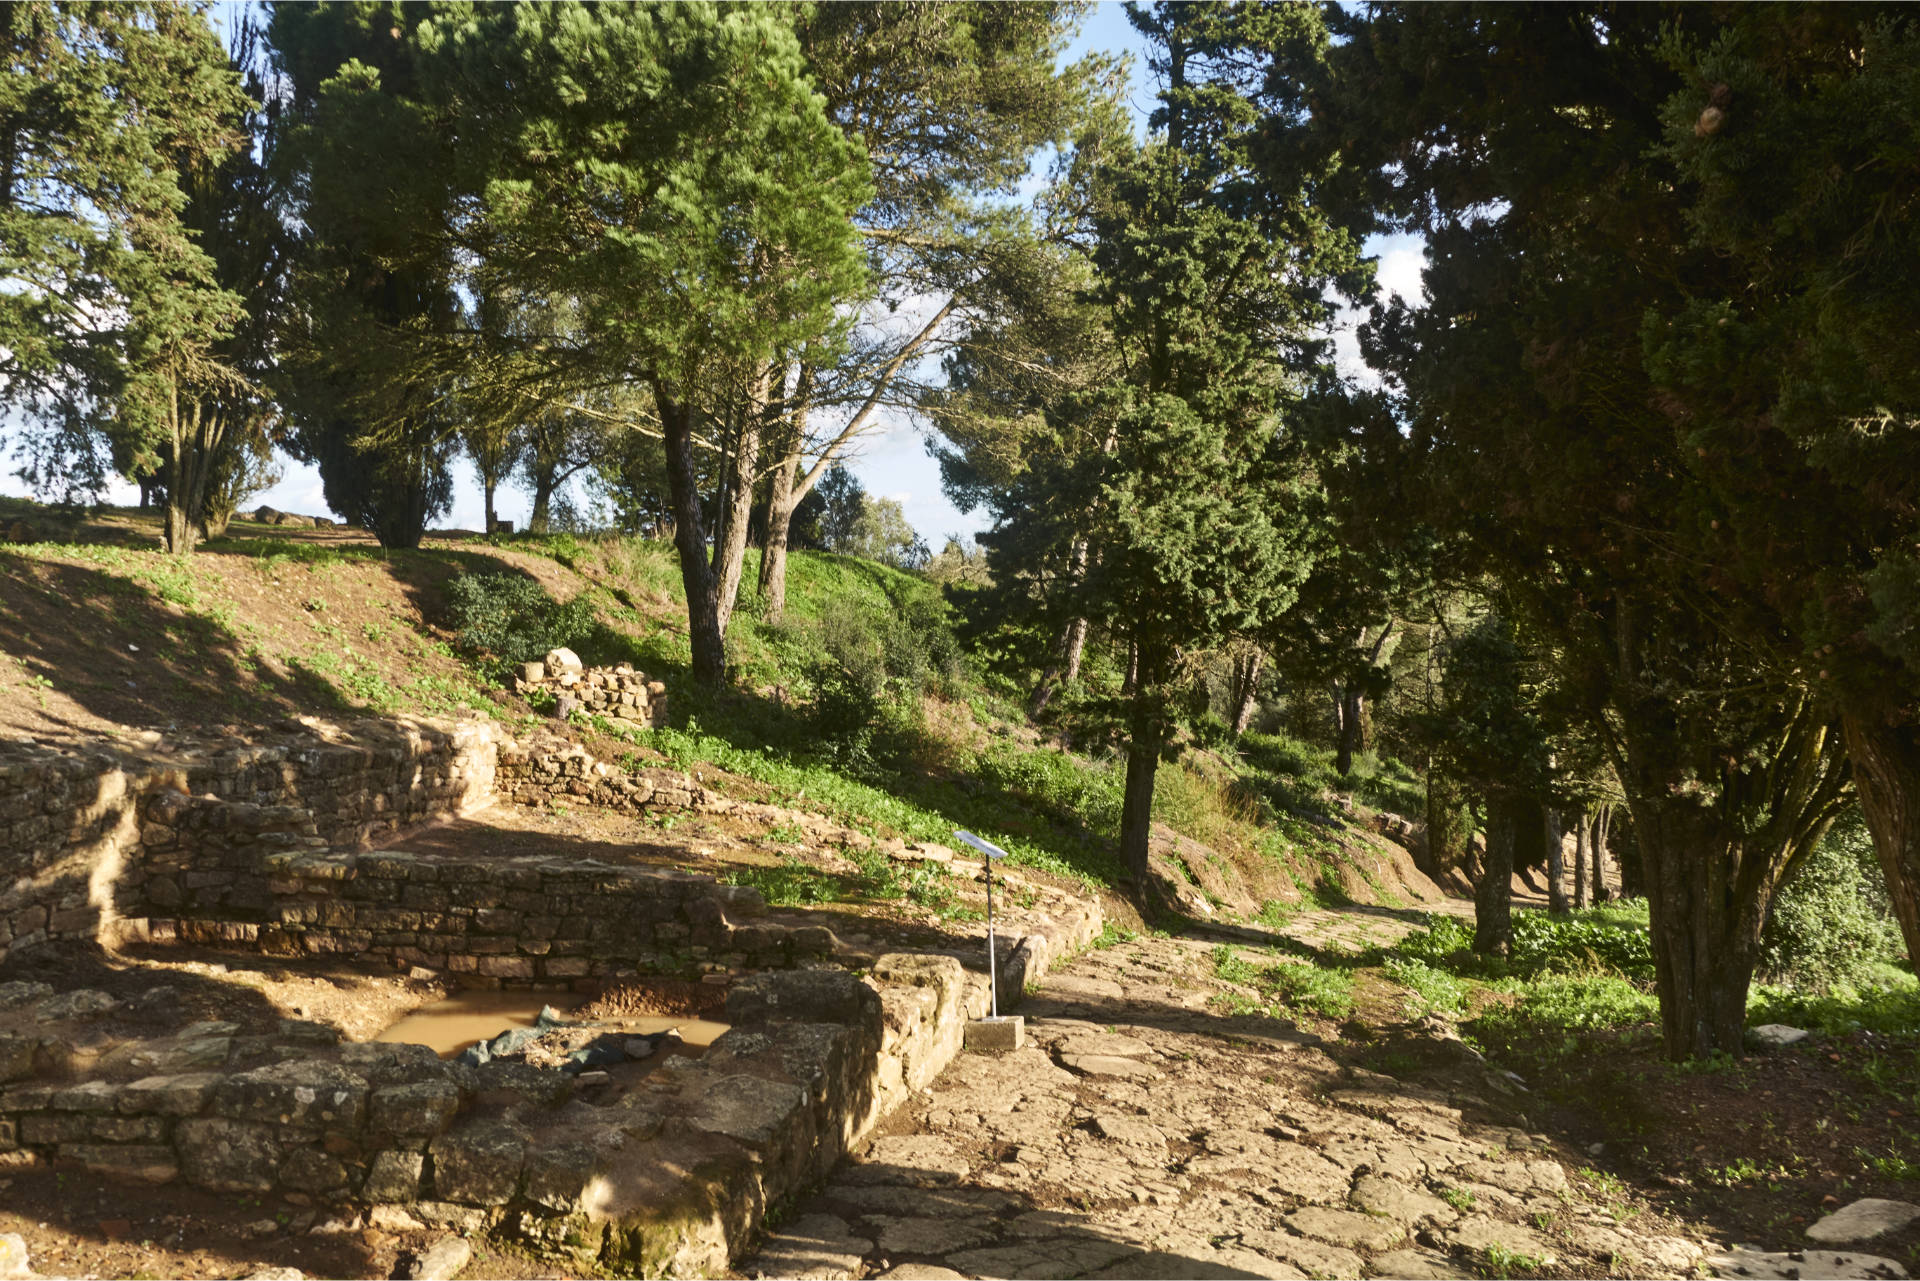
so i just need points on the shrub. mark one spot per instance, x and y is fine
(510, 619)
(1830, 925)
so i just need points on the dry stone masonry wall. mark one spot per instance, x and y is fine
(77, 823)
(621, 694)
(263, 846)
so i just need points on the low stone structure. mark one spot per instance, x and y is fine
(670, 1178)
(261, 846)
(619, 693)
(75, 825)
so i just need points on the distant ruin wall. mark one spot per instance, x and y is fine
(91, 838)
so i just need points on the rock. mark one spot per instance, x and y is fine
(1775, 1036)
(929, 1236)
(1345, 1227)
(1794, 1265)
(13, 1257)
(18, 992)
(752, 1110)
(393, 1218)
(1126, 1130)
(916, 1159)
(1863, 1220)
(82, 1003)
(1399, 1202)
(1107, 1065)
(394, 1176)
(1312, 1257)
(276, 1274)
(812, 1246)
(1415, 1265)
(440, 1261)
(464, 1219)
(563, 660)
(421, 1110)
(1479, 1231)
(303, 1092)
(921, 1272)
(227, 1155)
(480, 1164)
(533, 673)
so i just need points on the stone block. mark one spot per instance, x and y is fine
(479, 1164)
(128, 1129)
(755, 1112)
(805, 996)
(43, 1128)
(419, 1110)
(996, 1036)
(227, 1155)
(306, 1170)
(394, 1177)
(304, 1092)
(148, 1162)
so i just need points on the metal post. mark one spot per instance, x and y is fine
(990, 851)
(993, 975)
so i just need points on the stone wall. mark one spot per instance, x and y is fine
(75, 825)
(619, 693)
(491, 921)
(670, 1178)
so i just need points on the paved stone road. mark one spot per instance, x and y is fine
(1142, 1134)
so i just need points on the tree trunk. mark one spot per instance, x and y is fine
(1349, 721)
(1076, 648)
(775, 587)
(730, 544)
(1247, 681)
(487, 487)
(1886, 771)
(196, 435)
(781, 497)
(1710, 878)
(1131, 683)
(1603, 892)
(1556, 863)
(1706, 922)
(1582, 826)
(1493, 892)
(543, 487)
(1072, 643)
(1147, 736)
(706, 633)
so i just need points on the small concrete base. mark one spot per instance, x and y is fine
(996, 1036)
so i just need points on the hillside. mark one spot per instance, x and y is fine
(859, 705)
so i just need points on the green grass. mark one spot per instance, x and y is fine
(1435, 989)
(1305, 986)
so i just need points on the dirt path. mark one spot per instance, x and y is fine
(1143, 1133)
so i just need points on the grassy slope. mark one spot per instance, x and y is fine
(104, 633)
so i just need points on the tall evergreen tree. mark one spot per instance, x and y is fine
(108, 306)
(372, 171)
(729, 213)
(1540, 185)
(1215, 285)
(1792, 382)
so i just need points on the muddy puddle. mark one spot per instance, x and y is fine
(464, 1019)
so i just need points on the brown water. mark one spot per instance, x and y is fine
(467, 1018)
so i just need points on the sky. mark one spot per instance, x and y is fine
(891, 462)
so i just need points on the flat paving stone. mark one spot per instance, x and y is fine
(1141, 1134)
(1863, 1220)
